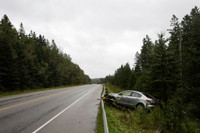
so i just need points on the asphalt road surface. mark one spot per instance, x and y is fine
(66, 110)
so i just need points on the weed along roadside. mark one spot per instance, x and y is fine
(158, 120)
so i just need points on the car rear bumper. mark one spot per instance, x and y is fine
(151, 106)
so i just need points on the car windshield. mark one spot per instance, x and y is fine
(148, 95)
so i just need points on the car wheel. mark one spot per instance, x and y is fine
(140, 106)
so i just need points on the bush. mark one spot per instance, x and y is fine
(174, 117)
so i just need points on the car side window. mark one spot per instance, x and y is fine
(134, 94)
(126, 93)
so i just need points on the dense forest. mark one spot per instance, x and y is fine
(28, 61)
(168, 68)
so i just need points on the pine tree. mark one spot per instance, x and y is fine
(144, 62)
(146, 54)
(8, 39)
(191, 48)
(138, 67)
(175, 55)
(191, 59)
(159, 69)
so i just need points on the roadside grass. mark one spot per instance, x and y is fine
(9, 93)
(169, 118)
(100, 126)
(126, 121)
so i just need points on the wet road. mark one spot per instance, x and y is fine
(66, 110)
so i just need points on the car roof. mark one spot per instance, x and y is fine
(133, 91)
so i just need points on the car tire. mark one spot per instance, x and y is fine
(140, 106)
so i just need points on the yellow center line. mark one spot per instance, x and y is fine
(34, 100)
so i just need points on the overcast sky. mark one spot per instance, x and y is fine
(99, 35)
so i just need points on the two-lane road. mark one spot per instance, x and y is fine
(66, 110)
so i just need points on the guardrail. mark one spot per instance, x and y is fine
(105, 124)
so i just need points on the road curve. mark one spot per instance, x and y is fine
(66, 110)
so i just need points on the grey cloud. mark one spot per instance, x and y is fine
(100, 35)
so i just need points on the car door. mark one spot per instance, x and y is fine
(134, 99)
(123, 97)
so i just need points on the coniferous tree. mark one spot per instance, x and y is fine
(143, 64)
(191, 48)
(8, 39)
(123, 77)
(159, 69)
(138, 67)
(191, 59)
(146, 54)
(174, 55)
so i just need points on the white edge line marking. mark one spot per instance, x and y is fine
(62, 112)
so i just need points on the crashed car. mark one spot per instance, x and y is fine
(134, 99)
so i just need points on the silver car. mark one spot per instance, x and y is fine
(134, 99)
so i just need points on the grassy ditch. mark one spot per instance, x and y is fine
(9, 93)
(166, 120)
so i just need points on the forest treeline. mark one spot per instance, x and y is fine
(28, 61)
(168, 68)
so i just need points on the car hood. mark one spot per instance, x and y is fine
(113, 94)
